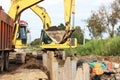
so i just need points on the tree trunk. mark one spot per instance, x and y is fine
(112, 33)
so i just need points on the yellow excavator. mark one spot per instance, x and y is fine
(51, 37)
(59, 38)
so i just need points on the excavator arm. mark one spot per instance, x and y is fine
(18, 6)
(69, 9)
(41, 12)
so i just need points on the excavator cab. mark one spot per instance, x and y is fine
(21, 39)
(23, 32)
(45, 38)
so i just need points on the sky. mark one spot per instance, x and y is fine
(55, 9)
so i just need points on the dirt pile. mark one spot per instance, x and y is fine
(32, 70)
(34, 64)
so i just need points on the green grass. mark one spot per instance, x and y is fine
(34, 47)
(109, 46)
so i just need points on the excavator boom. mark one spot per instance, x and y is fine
(67, 10)
(41, 12)
(18, 6)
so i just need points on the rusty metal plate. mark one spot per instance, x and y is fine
(6, 31)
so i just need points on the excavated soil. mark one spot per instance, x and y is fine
(33, 69)
(89, 58)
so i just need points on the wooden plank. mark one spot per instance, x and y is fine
(86, 71)
(55, 70)
(45, 60)
(79, 74)
(68, 69)
(50, 64)
(74, 66)
(63, 55)
(61, 75)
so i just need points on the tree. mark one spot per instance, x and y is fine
(95, 25)
(104, 20)
(61, 26)
(111, 16)
(114, 16)
(116, 8)
(78, 33)
(36, 42)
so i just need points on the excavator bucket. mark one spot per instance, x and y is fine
(56, 36)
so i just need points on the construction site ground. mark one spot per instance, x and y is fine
(34, 70)
(31, 70)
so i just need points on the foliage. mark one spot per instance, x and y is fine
(78, 33)
(34, 47)
(36, 42)
(61, 26)
(99, 47)
(104, 20)
(114, 15)
(96, 25)
(116, 9)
